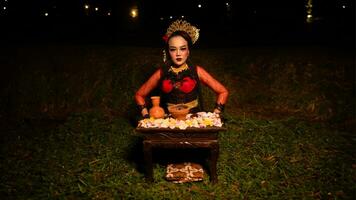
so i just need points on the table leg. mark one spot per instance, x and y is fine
(214, 153)
(147, 153)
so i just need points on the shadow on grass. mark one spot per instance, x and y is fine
(134, 154)
(165, 156)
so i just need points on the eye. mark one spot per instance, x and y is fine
(172, 49)
(183, 48)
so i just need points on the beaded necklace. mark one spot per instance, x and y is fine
(179, 69)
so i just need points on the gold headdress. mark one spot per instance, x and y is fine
(182, 25)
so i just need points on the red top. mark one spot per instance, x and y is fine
(186, 85)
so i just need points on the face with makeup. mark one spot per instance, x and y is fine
(178, 50)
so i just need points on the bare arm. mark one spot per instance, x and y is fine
(221, 92)
(145, 89)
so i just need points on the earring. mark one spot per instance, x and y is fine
(164, 56)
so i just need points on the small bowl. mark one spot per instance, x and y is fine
(179, 111)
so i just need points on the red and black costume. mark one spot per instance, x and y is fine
(180, 88)
(183, 87)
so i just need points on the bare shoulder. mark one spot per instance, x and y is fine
(201, 70)
(157, 73)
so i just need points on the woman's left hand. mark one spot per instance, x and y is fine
(217, 111)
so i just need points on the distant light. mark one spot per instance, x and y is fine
(343, 6)
(4, 7)
(170, 17)
(109, 13)
(161, 18)
(46, 14)
(96, 8)
(134, 12)
(228, 6)
(309, 18)
(182, 16)
(309, 11)
(199, 5)
(86, 6)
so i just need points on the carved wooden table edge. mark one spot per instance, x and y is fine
(187, 130)
(207, 133)
(206, 137)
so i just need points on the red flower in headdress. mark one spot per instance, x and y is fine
(165, 38)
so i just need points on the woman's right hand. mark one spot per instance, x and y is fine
(144, 113)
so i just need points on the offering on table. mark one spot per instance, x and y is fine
(198, 120)
(179, 111)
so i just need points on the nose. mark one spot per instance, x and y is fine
(178, 52)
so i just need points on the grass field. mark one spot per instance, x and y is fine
(68, 115)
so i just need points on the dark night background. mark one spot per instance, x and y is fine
(235, 23)
(69, 74)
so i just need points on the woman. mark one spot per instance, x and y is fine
(179, 81)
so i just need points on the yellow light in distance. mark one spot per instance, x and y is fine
(86, 6)
(309, 9)
(134, 12)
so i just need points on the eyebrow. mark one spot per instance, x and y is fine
(178, 47)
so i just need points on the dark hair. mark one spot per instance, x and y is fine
(183, 34)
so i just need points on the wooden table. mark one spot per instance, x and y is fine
(176, 138)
